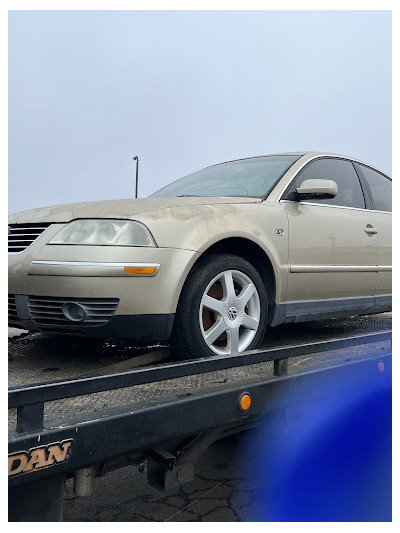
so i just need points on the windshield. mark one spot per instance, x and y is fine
(254, 177)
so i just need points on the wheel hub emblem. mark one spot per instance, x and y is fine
(232, 313)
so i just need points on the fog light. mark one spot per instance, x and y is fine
(73, 311)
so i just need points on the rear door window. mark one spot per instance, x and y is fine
(380, 187)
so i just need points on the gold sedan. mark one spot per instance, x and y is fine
(211, 259)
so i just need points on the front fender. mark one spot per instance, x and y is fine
(197, 228)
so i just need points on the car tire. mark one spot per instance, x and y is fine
(223, 294)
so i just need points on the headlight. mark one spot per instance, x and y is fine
(96, 232)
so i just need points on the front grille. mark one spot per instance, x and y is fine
(47, 311)
(20, 236)
(12, 309)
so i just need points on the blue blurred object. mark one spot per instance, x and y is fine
(331, 459)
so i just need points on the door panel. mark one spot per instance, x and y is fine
(383, 223)
(330, 253)
(380, 188)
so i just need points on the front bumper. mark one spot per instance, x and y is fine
(138, 327)
(97, 272)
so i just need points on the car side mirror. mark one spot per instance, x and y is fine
(317, 190)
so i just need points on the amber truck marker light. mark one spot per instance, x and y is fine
(245, 402)
(141, 270)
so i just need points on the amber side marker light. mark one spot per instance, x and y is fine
(245, 402)
(140, 270)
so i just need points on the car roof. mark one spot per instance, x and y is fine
(300, 154)
(310, 155)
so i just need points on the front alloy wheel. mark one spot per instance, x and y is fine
(222, 309)
(229, 315)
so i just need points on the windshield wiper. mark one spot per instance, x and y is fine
(187, 195)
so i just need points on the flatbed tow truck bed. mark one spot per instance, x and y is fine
(94, 417)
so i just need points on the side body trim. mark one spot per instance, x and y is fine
(339, 268)
(306, 310)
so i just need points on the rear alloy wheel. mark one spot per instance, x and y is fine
(222, 310)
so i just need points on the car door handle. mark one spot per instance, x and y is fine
(370, 229)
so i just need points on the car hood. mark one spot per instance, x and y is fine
(123, 209)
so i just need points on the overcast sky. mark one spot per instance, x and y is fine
(183, 90)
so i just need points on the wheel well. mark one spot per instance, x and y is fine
(254, 254)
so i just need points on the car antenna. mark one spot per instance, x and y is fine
(137, 174)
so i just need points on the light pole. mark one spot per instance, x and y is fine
(137, 174)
